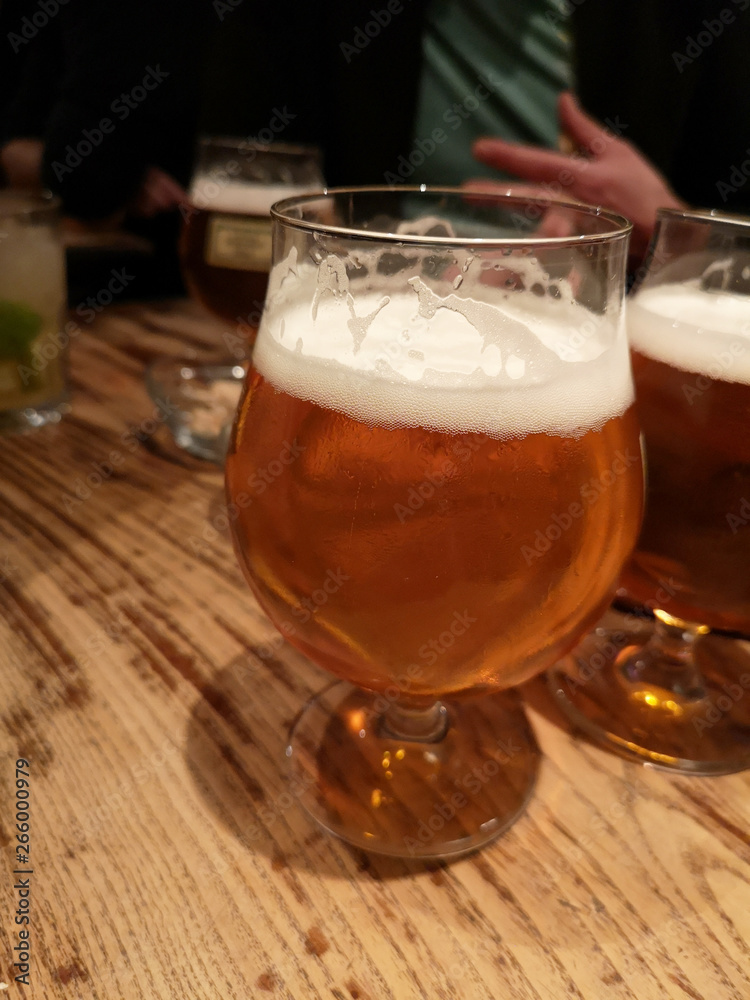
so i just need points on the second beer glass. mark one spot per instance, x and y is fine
(436, 478)
(676, 697)
(225, 244)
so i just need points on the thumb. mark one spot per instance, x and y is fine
(582, 128)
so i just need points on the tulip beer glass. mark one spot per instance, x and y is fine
(436, 382)
(675, 696)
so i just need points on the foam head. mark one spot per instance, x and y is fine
(218, 195)
(505, 364)
(693, 329)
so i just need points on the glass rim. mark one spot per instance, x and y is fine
(621, 227)
(707, 215)
(15, 204)
(238, 142)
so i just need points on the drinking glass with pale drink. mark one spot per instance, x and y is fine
(33, 298)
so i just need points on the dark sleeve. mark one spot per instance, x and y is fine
(127, 98)
(676, 77)
(30, 73)
(711, 160)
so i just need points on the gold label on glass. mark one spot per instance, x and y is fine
(240, 243)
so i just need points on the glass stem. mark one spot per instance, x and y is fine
(667, 660)
(410, 721)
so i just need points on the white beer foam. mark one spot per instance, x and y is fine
(696, 330)
(247, 199)
(521, 365)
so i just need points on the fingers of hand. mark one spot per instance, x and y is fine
(586, 132)
(529, 162)
(512, 188)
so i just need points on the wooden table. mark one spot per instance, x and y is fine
(136, 680)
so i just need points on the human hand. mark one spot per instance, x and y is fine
(550, 223)
(158, 193)
(606, 170)
(21, 162)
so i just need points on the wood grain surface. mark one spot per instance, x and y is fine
(152, 697)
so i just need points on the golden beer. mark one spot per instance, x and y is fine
(691, 364)
(441, 539)
(433, 482)
(225, 247)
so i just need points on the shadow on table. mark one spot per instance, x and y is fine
(235, 747)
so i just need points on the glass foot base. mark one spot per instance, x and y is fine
(31, 417)
(704, 731)
(426, 798)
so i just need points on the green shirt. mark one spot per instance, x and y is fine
(491, 67)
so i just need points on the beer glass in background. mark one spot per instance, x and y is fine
(225, 244)
(675, 696)
(225, 254)
(33, 298)
(434, 384)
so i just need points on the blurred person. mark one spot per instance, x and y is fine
(666, 88)
(343, 75)
(491, 67)
(373, 83)
(678, 76)
(99, 107)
